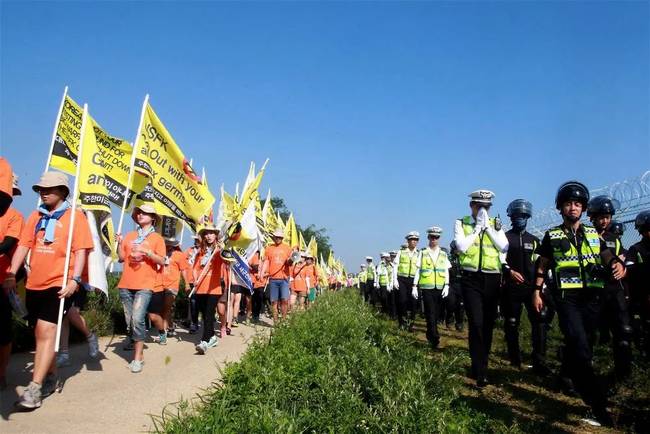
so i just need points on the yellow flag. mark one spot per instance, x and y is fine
(66, 141)
(176, 188)
(312, 247)
(291, 233)
(104, 172)
(301, 242)
(250, 192)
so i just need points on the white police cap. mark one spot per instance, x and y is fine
(482, 196)
(413, 235)
(434, 230)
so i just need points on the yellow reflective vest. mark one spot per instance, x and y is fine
(432, 274)
(573, 267)
(482, 255)
(407, 265)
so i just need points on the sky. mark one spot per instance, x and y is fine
(378, 118)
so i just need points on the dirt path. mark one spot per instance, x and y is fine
(103, 396)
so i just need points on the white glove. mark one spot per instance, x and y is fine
(389, 288)
(395, 284)
(445, 291)
(377, 285)
(482, 218)
(414, 293)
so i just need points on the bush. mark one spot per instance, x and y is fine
(337, 367)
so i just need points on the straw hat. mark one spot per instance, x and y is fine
(52, 179)
(278, 233)
(210, 227)
(146, 208)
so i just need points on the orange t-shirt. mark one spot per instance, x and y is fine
(211, 282)
(172, 271)
(255, 275)
(276, 258)
(140, 272)
(309, 272)
(11, 225)
(298, 283)
(47, 260)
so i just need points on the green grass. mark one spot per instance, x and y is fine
(338, 367)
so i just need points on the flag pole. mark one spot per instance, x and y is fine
(183, 222)
(228, 309)
(203, 272)
(68, 249)
(129, 182)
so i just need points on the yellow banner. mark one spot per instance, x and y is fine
(66, 140)
(104, 172)
(176, 189)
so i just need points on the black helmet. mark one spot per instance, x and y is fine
(572, 190)
(616, 228)
(520, 206)
(600, 205)
(642, 221)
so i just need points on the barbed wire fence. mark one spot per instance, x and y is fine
(632, 194)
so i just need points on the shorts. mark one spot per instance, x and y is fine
(172, 292)
(6, 329)
(44, 305)
(80, 298)
(238, 289)
(278, 289)
(156, 303)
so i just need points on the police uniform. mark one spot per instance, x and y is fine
(454, 302)
(480, 241)
(362, 282)
(370, 294)
(638, 262)
(432, 280)
(521, 258)
(403, 275)
(385, 282)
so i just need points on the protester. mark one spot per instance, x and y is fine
(192, 312)
(259, 285)
(143, 253)
(208, 272)
(175, 265)
(276, 269)
(45, 237)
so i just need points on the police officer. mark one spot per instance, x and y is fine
(518, 285)
(578, 259)
(384, 282)
(638, 262)
(454, 301)
(480, 240)
(403, 275)
(370, 281)
(432, 280)
(362, 281)
(614, 314)
(392, 293)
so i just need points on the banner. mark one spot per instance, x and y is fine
(104, 173)
(66, 140)
(96, 261)
(176, 188)
(241, 269)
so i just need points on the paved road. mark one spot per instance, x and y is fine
(104, 396)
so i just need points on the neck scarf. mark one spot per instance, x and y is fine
(143, 233)
(48, 220)
(206, 256)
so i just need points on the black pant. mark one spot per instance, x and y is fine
(432, 300)
(368, 295)
(194, 312)
(514, 299)
(615, 313)
(258, 301)
(391, 302)
(207, 305)
(362, 290)
(481, 297)
(383, 298)
(454, 305)
(405, 301)
(578, 317)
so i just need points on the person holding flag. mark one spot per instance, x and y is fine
(46, 235)
(208, 272)
(276, 269)
(143, 253)
(175, 265)
(11, 225)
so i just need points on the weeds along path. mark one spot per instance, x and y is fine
(104, 396)
(520, 399)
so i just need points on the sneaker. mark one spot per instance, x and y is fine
(136, 366)
(171, 333)
(31, 397)
(128, 344)
(93, 346)
(213, 342)
(201, 347)
(228, 331)
(162, 339)
(62, 359)
(193, 329)
(50, 385)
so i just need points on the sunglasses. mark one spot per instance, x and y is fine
(435, 237)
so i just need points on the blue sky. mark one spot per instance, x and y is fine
(378, 118)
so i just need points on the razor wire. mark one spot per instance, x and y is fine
(632, 194)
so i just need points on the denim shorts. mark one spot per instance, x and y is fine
(278, 289)
(136, 303)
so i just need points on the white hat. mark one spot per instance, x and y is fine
(413, 235)
(363, 265)
(278, 233)
(384, 255)
(434, 230)
(146, 208)
(482, 196)
(393, 252)
(51, 179)
(368, 258)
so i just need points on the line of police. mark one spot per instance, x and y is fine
(581, 272)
